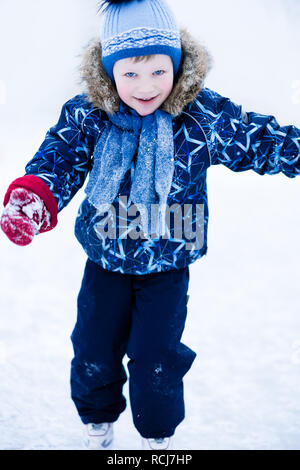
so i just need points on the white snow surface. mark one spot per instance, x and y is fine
(242, 391)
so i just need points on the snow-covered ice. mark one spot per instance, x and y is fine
(243, 322)
(242, 391)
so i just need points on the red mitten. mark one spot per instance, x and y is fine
(24, 216)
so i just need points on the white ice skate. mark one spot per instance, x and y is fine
(98, 436)
(162, 443)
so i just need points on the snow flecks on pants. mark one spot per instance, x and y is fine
(158, 369)
(159, 381)
(91, 368)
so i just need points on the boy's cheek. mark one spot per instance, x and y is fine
(170, 85)
(123, 91)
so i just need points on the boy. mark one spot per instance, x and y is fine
(147, 131)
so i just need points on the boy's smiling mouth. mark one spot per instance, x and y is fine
(146, 100)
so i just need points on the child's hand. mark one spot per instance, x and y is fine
(24, 216)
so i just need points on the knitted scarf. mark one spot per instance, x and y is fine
(151, 137)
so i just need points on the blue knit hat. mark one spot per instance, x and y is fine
(137, 28)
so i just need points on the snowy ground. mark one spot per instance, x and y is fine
(242, 391)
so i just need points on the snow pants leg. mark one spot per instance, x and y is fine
(157, 359)
(142, 316)
(100, 340)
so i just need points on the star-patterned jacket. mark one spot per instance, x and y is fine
(209, 129)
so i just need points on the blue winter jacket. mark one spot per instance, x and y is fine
(209, 129)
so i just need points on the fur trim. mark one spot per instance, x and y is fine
(195, 65)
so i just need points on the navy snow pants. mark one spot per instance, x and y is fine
(142, 316)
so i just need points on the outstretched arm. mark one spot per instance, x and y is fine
(64, 158)
(249, 141)
(55, 173)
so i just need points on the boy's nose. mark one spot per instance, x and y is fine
(146, 89)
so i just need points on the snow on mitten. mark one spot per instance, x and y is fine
(24, 216)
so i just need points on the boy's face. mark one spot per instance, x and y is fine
(140, 80)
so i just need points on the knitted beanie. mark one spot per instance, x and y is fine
(137, 28)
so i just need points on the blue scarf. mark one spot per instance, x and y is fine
(125, 133)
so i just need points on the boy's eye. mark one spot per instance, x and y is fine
(157, 72)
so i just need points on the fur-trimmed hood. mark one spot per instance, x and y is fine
(195, 65)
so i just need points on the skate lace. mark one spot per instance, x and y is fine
(159, 440)
(99, 427)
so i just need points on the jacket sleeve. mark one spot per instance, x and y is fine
(251, 141)
(64, 158)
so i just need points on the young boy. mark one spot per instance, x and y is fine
(147, 131)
